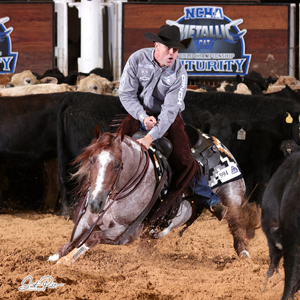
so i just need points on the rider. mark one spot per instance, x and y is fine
(152, 90)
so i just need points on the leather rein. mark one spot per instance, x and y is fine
(113, 195)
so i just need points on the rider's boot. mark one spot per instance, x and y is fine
(219, 210)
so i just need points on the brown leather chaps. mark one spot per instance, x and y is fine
(185, 167)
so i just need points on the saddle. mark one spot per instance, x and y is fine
(203, 150)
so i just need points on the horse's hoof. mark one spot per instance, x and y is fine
(53, 257)
(244, 254)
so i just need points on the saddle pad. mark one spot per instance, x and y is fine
(227, 169)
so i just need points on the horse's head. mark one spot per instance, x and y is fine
(100, 165)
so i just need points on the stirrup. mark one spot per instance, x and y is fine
(162, 229)
(158, 235)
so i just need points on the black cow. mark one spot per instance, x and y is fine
(286, 93)
(263, 119)
(280, 220)
(71, 79)
(28, 131)
(28, 137)
(221, 86)
(255, 82)
(77, 118)
(55, 72)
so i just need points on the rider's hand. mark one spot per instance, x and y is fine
(149, 122)
(146, 141)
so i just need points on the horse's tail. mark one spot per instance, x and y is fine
(244, 223)
(252, 215)
(63, 157)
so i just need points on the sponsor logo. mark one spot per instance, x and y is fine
(181, 91)
(8, 59)
(144, 75)
(166, 79)
(217, 47)
(234, 169)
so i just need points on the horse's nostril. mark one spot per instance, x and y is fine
(95, 206)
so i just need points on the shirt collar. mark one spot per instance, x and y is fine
(154, 62)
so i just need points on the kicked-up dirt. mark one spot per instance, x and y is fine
(202, 264)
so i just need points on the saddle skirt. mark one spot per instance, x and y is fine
(226, 170)
(215, 160)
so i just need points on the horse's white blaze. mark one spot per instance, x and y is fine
(104, 158)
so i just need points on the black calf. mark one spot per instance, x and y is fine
(280, 220)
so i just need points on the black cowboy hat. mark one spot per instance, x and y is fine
(170, 36)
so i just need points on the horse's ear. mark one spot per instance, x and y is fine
(97, 132)
(120, 136)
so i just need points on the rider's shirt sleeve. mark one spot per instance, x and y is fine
(173, 104)
(129, 88)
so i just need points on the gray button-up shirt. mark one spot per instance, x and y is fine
(145, 86)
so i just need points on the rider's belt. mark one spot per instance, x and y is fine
(152, 114)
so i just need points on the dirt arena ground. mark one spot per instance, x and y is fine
(202, 264)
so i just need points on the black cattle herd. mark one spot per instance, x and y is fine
(36, 129)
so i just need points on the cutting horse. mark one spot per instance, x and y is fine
(117, 183)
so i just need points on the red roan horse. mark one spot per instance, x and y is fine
(117, 181)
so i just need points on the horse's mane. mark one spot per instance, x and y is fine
(83, 160)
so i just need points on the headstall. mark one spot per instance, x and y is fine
(114, 195)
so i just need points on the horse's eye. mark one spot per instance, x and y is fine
(91, 161)
(117, 165)
(28, 80)
(95, 88)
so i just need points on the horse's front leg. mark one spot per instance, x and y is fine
(69, 249)
(68, 253)
(104, 233)
(64, 250)
(73, 255)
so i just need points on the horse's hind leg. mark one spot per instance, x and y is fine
(238, 231)
(231, 195)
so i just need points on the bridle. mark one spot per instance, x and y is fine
(113, 195)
